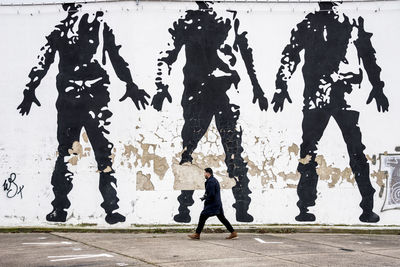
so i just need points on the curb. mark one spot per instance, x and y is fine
(261, 229)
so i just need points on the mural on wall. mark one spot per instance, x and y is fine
(82, 40)
(326, 37)
(391, 164)
(208, 74)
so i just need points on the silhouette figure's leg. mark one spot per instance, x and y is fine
(226, 119)
(69, 128)
(197, 116)
(348, 123)
(95, 128)
(313, 125)
(185, 200)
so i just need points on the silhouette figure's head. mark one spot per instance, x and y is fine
(328, 5)
(71, 7)
(204, 5)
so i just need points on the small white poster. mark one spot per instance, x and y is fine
(391, 164)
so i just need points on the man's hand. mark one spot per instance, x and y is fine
(137, 95)
(279, 99)
(29, 98)
(382, 102)
(158, 98)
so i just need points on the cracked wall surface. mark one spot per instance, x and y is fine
(148, 145)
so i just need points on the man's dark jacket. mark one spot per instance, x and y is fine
(212, 204)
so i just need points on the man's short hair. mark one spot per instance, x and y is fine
(209, 170)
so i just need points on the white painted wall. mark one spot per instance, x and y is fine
(28, 144)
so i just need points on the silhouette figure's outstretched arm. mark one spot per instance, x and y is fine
(366, 53)
(120, 66)
(241, 41)
(164, 64)
(46, 58)
(289, 62)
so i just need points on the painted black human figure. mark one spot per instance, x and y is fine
(205, 37)
(82, 40)
(326, 36)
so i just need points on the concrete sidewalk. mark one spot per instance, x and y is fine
(175, 249)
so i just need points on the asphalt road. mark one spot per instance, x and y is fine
(175, 249)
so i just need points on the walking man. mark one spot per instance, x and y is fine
(82, 40)
(327, 37)
(212, 206)
(212, 46)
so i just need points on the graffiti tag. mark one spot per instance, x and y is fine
(11, 187)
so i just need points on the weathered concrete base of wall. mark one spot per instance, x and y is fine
(277, 228)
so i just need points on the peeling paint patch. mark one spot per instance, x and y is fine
(305, 160)
(295, 176)
(293, 149)
(187, 176)
(85, 137)
(76, 152)
(143, 182)
(372, 159)
(147, 157)
(380, 177)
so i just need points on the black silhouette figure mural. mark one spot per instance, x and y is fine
(207, 78)
(82, 41)
(325, 36)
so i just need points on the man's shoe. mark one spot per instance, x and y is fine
(194, 236)
(57, 215)
(369, 217)
(305, 217)
(232, 236)
(113, 218)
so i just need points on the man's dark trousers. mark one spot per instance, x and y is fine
(221, 217)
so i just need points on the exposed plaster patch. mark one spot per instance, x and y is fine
(372, 159)
(293, 149)
(187, 176)
(380, 177)
(147, 157)
(305, 160)
(107, 169)
(143, 182)
(76, 152)
(85, 137)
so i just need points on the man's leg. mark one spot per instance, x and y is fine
(225, 222)
(226, 119)
(202, 220)
(68, 131)
(313, 126)
(197, 117)
(348, 123)
(94, 124)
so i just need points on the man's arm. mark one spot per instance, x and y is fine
(210, 192)
(290, 60)
(37, 73)
(120, 66)
(241, 41)
(366, 53)
(165, 62)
